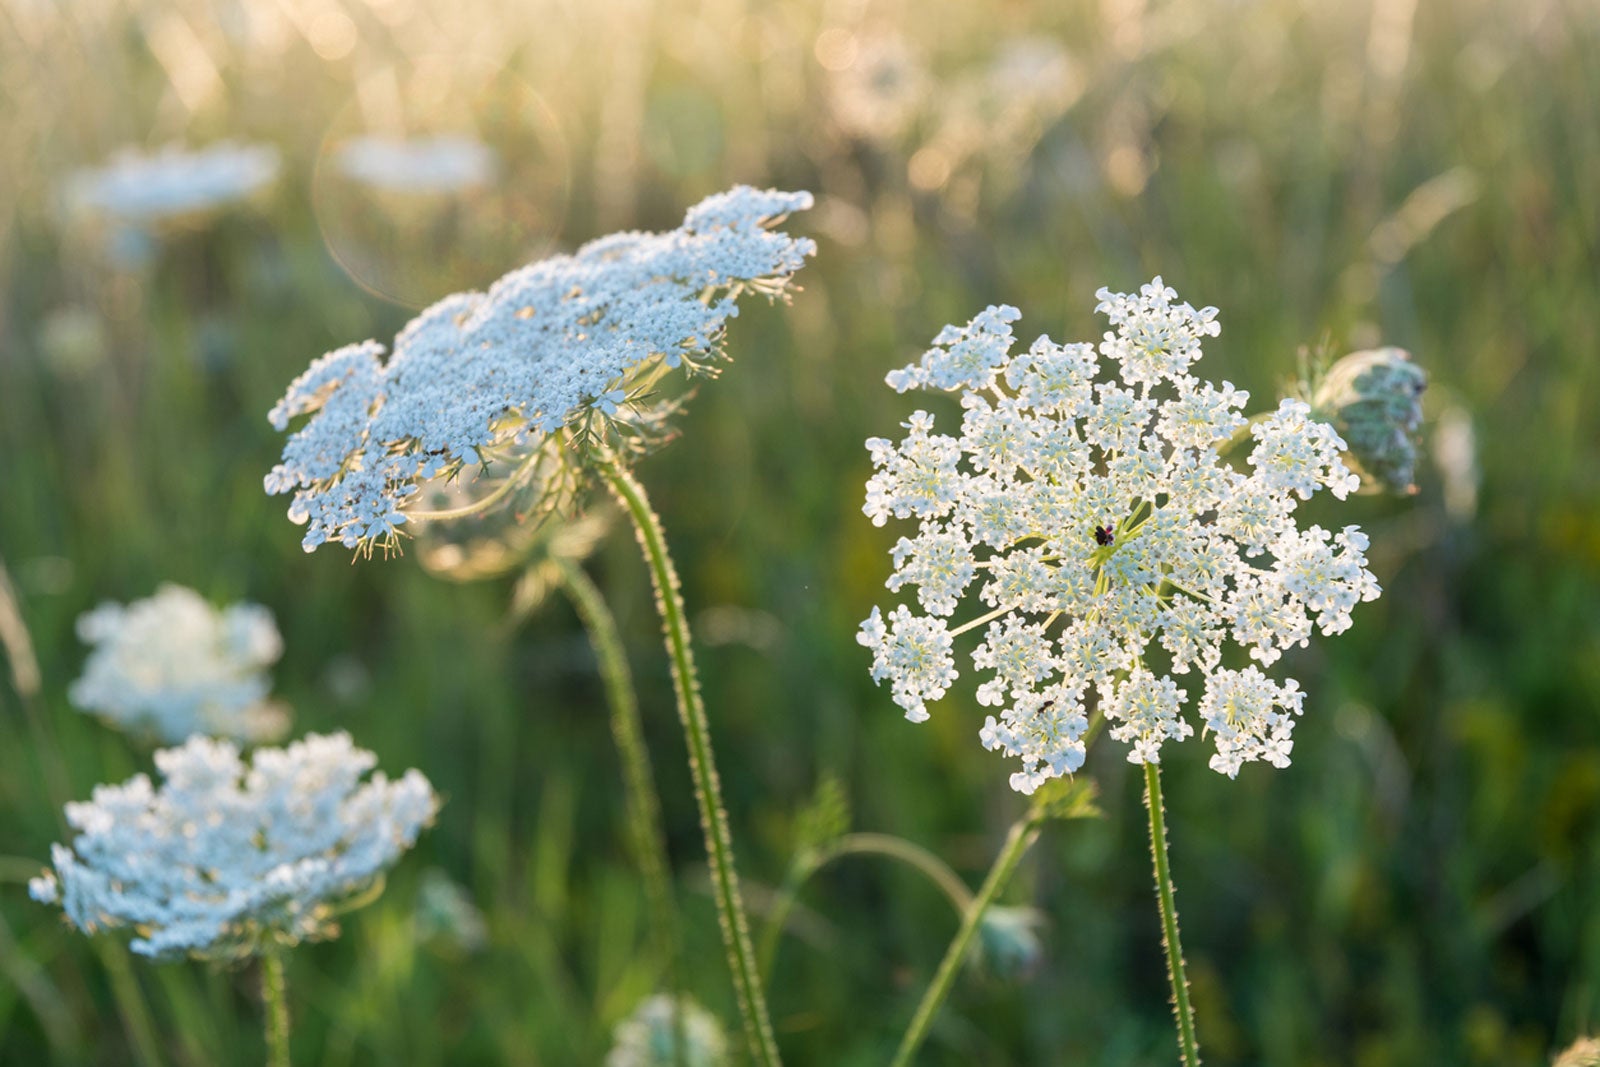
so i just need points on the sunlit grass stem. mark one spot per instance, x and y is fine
(702, 767)
(275, 1001)
(1023, 833)
(1176, 976)
(25, 678)
(643, 802)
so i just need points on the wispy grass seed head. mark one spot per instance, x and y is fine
(226, 858)
(172, 665)
(1109, 541)
(573, 344)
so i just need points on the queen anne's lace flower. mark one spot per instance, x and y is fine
(224, 858)
(144, 188)
(172, 665)
(571, 343)
(1114, 546)
(442, 163)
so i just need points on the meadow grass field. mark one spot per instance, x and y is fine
(1419, 887)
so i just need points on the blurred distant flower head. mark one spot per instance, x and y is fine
(443, 163)
(1584, 1053)
(172, 665)
(571, 345)
(1111, 542)
(135, 188)
(1008, 944)
(649, 1037)
(1455, 454)
(1036, 72)
(878, 90)
(1374, 400)
(447, 915)
(73, 341)
(224, 858)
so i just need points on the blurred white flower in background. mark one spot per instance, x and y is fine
(649, 1037)
(225, 859)
(442, 163)
(139, 189)
(446, 915)
(878, 83)
(1111, 542)
(572, 343)
(172, 665)
(1008, 945)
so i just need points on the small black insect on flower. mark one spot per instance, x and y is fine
(1102, 535)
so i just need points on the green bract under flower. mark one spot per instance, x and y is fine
(1108, 541)
(574, 345)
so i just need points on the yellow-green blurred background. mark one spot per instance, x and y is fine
(1420, 887)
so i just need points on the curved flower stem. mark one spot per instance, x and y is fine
(644, 806)
(1181, 1009)
(275, 1000)
(908, 852)
(513, 482)
(707, 788)
(1024, 832)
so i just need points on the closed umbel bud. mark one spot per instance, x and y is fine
(1374, 400)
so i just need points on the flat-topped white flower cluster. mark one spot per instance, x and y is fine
(441, 163)
(225, 858)
(1110, 541)
(171, 665)
(480, 377)
(146, 187)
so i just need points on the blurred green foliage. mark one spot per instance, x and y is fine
(1419, 888)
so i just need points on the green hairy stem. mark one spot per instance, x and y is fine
(275, 999)
(1023, 833)
(1176, 976)
(911, 854)
(643, 803)
(702, 767)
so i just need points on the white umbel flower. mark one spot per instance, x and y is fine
(171, 665)
(649, 1037)
(572, 343)
(1115, 547)
(441, 163)
(226, 858)
(141, 188)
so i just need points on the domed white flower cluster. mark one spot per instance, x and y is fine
(225, 858)
(172, 665)
(442, 163)
(136, 187)
(649, 1037)
(1112, 544)
(481, 377)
